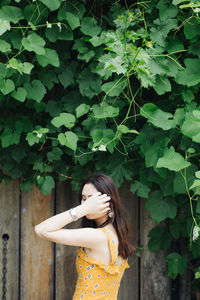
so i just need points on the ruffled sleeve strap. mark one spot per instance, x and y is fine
(114, 252)
(112, 245)
(112, 269)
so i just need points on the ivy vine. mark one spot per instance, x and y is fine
(88, 86)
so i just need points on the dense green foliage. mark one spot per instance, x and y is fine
(98, 86)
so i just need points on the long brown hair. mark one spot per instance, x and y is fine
(105, 185)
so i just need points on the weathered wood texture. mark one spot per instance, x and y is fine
(65, 256)
(129, 287)
(185, 280)
(9, 228)
(37, 258)
(41, 270)
(154, 281)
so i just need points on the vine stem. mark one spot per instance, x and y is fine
(190, 197)
(68, 177)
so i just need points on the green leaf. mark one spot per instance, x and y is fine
(47, 185)
(157, 117)
(108, 135)
(123, 129)
(187, 95)
(160, 208)
(68, 139)
(176, 264)
(11, 13)
(172, 160)
(96, 41)
(107, 112)
(114, 88)
(175, 228)
(190, 75)
(27, 67)
(89, 26)
(166, 11)
(66, 119)
(191, 30)
(153, 146)
(8, 137)
(15, 64)
(50, 57)
(32, 138)
(141, 188)
(33, 42)
(20, 94)
(52, 5)
(8, 87)
(121, 171)
(195, 184)
(26, 185)
(73, 20)
(35, 90)
(104, 138)
(179, 116)
(161, 29)
(89, 84)
(82, 109)
(66, 77)
(97, 135)
(176, 2)
(4, 26)
(113, 62)
(162, 85)
(191, 126)
(179, 185)
(55, 154)
(155, 236)
(43, 130)
(4, 46)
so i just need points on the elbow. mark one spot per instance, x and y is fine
(38, 231)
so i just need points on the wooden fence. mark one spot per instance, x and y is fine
(35, 269)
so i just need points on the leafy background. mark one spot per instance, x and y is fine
(103, 86)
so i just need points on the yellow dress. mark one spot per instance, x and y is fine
(96, 280)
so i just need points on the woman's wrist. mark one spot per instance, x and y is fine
(81, 210)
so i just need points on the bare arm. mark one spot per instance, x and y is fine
(58, 221)
(50, 229)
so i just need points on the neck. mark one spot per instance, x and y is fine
(101, 221)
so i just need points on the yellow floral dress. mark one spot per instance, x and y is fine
(96, 280)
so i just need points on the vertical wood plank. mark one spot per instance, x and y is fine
(185, 279)
(197, 295)
(9, 216)
(65, 255)
(185, 286)
(129, 287)
(154, 280)
(36, 254)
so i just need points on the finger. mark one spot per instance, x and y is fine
(106, 199)
(102, 196)
(97, 194)
(106, 210)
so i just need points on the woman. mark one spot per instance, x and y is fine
(103, 239)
